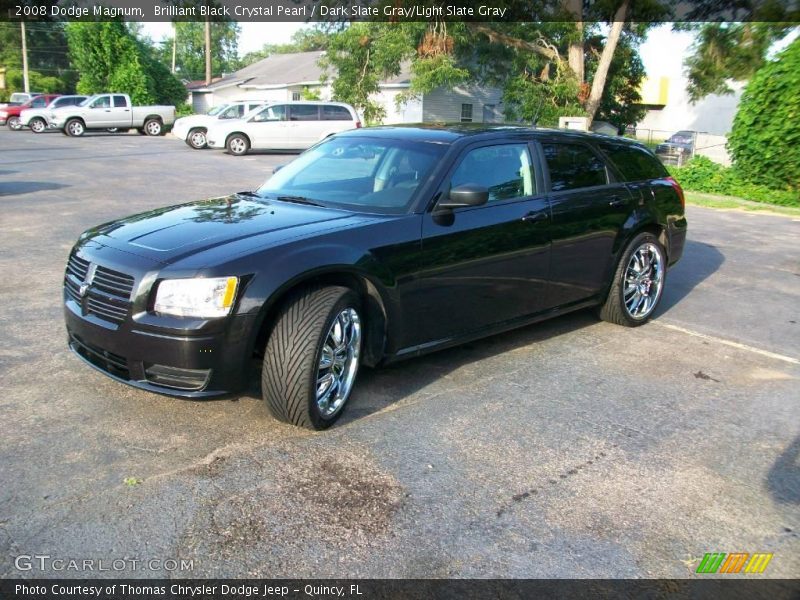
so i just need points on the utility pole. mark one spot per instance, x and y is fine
(174, 44)
(25, 80)
(208, 51)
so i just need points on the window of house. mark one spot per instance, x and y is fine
(296, 96)
(466, 113)
(573, 166)
(504, 169)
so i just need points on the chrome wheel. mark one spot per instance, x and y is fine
(338, 362)
(152, 127)
(75, 128)
(14, 124)
(37, 125)
(197, 139)
(643, 280)
(237, 146)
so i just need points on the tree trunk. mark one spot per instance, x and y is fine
(208, 51)
(599, 81)
(575, 56)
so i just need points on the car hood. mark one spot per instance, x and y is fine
(170, 234)
(195, 120)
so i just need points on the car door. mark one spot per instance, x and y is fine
(98, 112)
(588, 210)
(119, 114)
(485, 265)
(268, 129)
(305, 125)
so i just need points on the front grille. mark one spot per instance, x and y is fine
(107, 361)
(108, 296)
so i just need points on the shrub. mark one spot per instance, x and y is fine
(701, 174)
(766, 129)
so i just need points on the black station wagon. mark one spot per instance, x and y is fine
(374, 245)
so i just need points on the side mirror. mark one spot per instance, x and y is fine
(277, 168)
(469, 194)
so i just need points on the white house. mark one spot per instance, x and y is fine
(282, 77)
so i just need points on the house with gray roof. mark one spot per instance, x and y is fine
(284, 77)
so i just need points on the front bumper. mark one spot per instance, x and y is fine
(213, 143)
(167, 355)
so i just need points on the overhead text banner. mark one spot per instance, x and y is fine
(399, 10)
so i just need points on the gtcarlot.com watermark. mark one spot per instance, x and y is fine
(45, 562)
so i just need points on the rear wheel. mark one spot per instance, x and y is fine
(37, 125)
(74, 128)
(197, 139)
(638, 282)
(14, 123)
(312, 357)
(152, 127)
(238, 144)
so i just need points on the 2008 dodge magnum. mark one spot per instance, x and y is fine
(374, 245)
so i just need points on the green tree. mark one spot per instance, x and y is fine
(766, 129)
(111, 59)
(48, 57)
(191, 58)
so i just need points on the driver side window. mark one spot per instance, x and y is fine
(101, 102)
(505, 170)
(271, 113)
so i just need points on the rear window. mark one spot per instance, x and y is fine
(573, 166)
(304, 112)
(336, 113)
(634, 163)
(119, 102)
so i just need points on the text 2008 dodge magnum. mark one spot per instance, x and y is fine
(374, 245)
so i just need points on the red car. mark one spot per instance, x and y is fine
(10, 114)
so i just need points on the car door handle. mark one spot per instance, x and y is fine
(616, 202)
(535, 216)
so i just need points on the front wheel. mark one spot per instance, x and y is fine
(37, 125)
(312, 357)
(14, 123)
(238, 144)
(197, 139)
(638, 282)
(152, 127)
(74, 128)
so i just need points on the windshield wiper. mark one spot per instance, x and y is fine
(299, 200)
(249, 194)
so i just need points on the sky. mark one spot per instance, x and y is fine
(662, 53)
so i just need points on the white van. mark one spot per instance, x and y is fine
(192, 129)
(283, 126)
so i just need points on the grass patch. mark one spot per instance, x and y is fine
(734, 203)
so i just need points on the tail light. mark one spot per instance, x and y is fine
(678, 189)
(358, 124)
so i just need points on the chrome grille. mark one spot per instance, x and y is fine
(109, 292)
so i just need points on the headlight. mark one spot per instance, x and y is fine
(203, 298)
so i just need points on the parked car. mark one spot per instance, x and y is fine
(38, 118)
(18, 98)
(112, 111)
(10, 114)
(193, 129)
(681, 142)
(375, 245)
(283, 126)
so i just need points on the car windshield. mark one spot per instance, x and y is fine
(216, 110)
(357, 173)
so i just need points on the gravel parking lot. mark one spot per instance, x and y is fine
(573, 448)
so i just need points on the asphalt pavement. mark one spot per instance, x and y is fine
(572, 448)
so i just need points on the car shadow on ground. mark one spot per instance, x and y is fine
(698, 263)
(783, 479)
(16, 188)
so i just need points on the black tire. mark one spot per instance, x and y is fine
(237, 144)
(37, 125)
(197, 138)
(74, 128)
(153, 127)
(14, 123)
(113, 130)
(614, 309)
(141, 131)
(293, 352)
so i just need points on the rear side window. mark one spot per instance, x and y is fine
(119, 102)
(505, 170)
(304, 112)
(336, 113)
(573, 166)
(634, 163)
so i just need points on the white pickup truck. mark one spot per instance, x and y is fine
(112, 111)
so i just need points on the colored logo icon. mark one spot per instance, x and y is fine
(737, 562)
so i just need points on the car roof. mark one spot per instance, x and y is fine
(450, 132)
